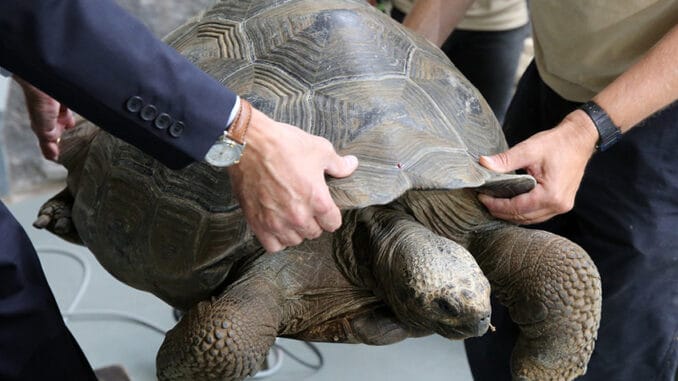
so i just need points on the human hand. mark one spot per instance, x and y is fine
(556, 158)
(49, 119)
(280, 183)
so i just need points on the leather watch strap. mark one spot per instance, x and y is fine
(238, 128)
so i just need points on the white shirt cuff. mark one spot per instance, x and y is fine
(234, 112)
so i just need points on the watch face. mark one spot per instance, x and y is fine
(224, 153)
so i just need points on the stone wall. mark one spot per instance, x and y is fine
(23, 168)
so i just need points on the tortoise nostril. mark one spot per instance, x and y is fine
(447, 307)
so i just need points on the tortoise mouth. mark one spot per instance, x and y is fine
(463, 331)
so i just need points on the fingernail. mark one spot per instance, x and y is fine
(488, 162)
(487, 158)
(351, 160)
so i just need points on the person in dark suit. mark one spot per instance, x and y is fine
(108, 67)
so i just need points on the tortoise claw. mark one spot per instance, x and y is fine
(55, 216)
(42, 221)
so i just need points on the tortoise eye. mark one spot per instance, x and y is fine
(446, 307)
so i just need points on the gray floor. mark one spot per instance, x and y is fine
(107, 341)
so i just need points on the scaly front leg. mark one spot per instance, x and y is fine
(552, 290)
(226, 338)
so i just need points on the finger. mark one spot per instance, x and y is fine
(46, 130)
(523, 209)
(66, 118)
(526, 220)
(50, 150)
(515, 158)
(269, 242)
(341, 166)
(499, 207)
(330, 220)
(311, 230)
(289, 238)
(325, 211)
(523, 219)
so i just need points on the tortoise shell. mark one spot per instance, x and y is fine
(342, 70)
(335, 68)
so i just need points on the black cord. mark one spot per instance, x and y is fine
(313, 347)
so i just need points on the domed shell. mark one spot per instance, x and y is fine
(335, 68)
(342, 70)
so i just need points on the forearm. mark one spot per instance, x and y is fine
(646, 87)
(557, 157)
(95, 63)
(436, 19)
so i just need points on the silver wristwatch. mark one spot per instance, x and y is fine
(228, 149)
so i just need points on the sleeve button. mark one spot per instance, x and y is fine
(163, 121)
(134, 104)
(176, 129)
(148, 113)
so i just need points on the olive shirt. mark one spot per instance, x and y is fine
(485, 15)
(582, 45)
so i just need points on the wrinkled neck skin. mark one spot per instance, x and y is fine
(455, 214)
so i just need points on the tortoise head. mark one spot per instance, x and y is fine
(430, 282)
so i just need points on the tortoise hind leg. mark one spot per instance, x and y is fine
(226, 338)
(552, 290)
(55, 216)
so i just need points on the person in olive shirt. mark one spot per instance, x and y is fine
(595, 121)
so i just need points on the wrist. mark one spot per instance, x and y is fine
(583, 128)
(229, 147)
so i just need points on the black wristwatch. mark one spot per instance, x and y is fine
(608, 133)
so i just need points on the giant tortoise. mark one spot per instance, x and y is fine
(407, 260)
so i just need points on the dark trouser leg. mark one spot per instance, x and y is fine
(489, 59)
(34, 342)
(626, 218)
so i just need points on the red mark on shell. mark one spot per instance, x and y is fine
(399, 165)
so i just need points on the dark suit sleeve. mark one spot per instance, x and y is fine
(104, 64)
